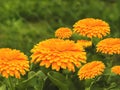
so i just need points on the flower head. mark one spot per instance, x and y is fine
(109, 46)
(84, 43)
(58, 53)
(91, 27)
(116, 69)
(13, 63)
(63, 32)
(90, 70)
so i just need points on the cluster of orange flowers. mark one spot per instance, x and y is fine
(62, 53)
(66, 54)
(110, 46)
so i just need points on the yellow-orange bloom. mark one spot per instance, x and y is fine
(90, 70)
(91, 27)
(109, 46)
(116, 69)
(63, 32)
(13, 63)
(58, 53)
(84, 43)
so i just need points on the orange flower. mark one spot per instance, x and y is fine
(84, 43)
(109, 46)
(13, 63)
(116, 69)
(58, 53)
(63, 32)
(90, 70)
(91, 27)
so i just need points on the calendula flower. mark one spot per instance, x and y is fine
(109, 46)
(116, 69)
(90, 70)
(84, 43)
(63, 32)
(13, 63)
(58, 53)
(91, 27)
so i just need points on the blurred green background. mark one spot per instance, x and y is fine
(23, 23)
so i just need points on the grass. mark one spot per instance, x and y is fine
(23, 36)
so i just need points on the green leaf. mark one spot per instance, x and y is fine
(3, 87)
(35, 80)
(60, 81)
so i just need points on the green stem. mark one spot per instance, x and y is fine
(10, 83)
(66, 76)
(109, 60)
(88, 87)
(108, 79)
